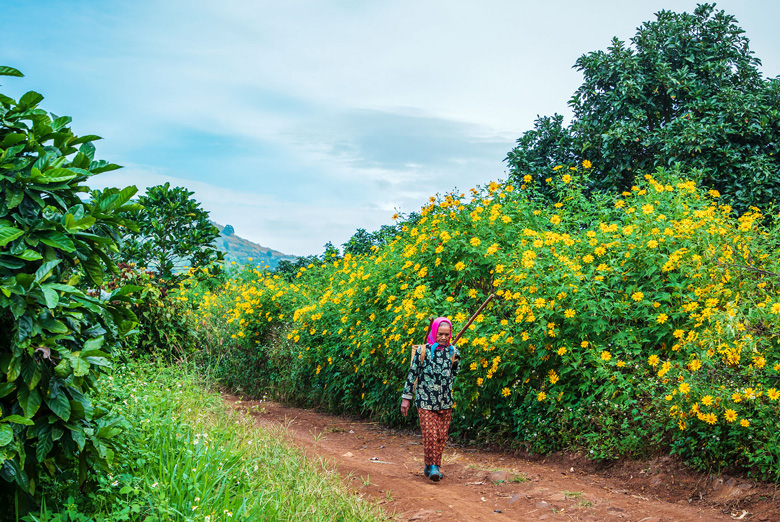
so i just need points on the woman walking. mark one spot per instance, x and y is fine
(432, 374)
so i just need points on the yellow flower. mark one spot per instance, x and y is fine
(707, 400)
(587, 259)
(475, 241)
(775, 308)
(695, 365)
(730, 415)
(584, 344)
(562, 351)
(653, 360)
(661, 319)
(744, 423)
(480, 380)
(460, 265)
(566, 178)
(569, 313)
(555, 219)
(527, 178)
(506, 392)
(553, 376)
(542, 396)
(637, 296)
(621, 364)
(606, 356)
(736, 397)
(684, 388)
(586, 164)
(473, 366)
(773, 394)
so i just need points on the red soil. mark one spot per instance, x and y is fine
(386, 465)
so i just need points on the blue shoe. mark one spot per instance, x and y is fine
(435, 475)
(427, 471)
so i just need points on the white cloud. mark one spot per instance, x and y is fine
(298, 122)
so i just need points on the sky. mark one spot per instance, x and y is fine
(299, 122)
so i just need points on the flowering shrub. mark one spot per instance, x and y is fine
(623, 322)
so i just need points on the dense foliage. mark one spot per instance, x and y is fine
(623, 325)
(173, 232)
(57, 331)
(164, 330)
(687, 91)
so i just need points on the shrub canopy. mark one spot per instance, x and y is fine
(623, 324)
(685, 92)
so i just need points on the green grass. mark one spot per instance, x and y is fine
(189, 457)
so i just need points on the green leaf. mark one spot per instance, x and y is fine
(78, 437)
(12, 139)
(107, 432)
(60, 122)
(53, 325)
(57, 175)
(80, 367)
(52, 298)
(94, 270)
(44, 271)
(8, 234)
(60, 406)
(14, 196)
(124, 195)
(31, 98)
(29, 255)
(57, 240)
(44, 446)
(30, 401)
(6, 388)
(92, 345)
(10, 71)
(6, 435)
(18, 419)
(125, 290)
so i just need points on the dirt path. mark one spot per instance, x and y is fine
(387, 466)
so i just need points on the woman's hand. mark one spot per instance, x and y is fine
(405, 403)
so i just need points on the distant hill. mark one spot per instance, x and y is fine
(243, 251)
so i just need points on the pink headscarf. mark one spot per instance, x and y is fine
(435, 329)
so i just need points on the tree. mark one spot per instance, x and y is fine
(57, 331)
(686, 92)
(360, 243)
(172, 231)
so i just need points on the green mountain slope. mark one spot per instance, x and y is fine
(243, 251)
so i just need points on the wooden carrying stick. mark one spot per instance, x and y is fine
(463, 330)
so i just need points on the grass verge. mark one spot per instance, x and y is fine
(186, 456)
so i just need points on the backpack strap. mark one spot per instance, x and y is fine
(417, 348)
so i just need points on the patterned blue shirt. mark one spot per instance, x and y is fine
(435, 378)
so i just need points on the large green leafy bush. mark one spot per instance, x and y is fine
(57, 329)
(687, 91)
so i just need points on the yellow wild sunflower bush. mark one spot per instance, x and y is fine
(623, 325)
